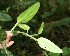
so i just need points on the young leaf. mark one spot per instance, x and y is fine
(28, 14)
(5, 17)
(41, 28)
(24, 26)
(48, 45)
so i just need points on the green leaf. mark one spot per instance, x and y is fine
(0, 27)
(54, 54)
(41, 28)
(48, 45)
(28, 14)
(2, 53)
(61, 22)
(2, 35)
(23, 53)
(66, 51)
(5, 17)
(9, 53)
(46, 15)
(24, 26)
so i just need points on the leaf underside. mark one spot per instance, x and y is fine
(48, 45)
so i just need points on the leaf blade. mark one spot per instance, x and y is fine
(41, 28)
(5, 17)
(28, 14)
(24, 26)
(48, 45)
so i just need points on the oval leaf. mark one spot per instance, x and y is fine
(48, 45)
(28, 14)
(5, 17)
(41, 28)
(24, 26)
(2, 34)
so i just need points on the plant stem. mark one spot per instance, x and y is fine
(28, 35)
(35, 35)
(31, 37)
(14, 27)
